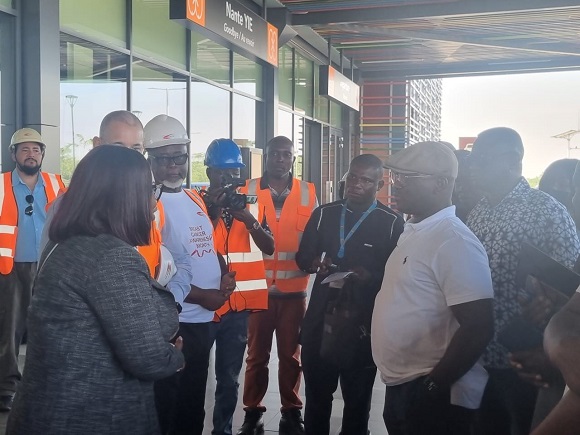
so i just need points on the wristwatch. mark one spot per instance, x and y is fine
(255, 226)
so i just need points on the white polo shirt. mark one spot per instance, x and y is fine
(437, 263)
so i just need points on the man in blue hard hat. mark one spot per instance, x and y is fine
(241, 235)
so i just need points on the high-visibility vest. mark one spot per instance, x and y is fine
(152, 251)
(245, 258)
(9, 215)
(281, 268)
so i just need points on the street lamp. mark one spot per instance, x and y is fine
(167, 96)
(568, 135)
(72, 99)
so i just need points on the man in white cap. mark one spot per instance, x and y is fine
(24, 193)
(433, 315)
(201, 290)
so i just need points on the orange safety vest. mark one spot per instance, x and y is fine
(9, 215)
(239, 249)
(281, 267)
(152, 251)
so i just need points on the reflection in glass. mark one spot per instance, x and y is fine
(285, 81)
(98, 77)
(335, 114)
(299, 147)
(247, 75)
(285, 124)
(7, 80)
(320, 102)
(155, 35)
(210, 119)
(156, 91)
(209, 59)
(244, 121)
(304, 83)
(104, 20)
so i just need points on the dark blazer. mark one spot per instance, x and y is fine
(98, 336)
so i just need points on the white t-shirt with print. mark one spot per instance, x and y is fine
(187, 227)
(437, 263)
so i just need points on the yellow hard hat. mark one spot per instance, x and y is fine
(26, 135)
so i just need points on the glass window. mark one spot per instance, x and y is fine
(244, 121)
(320, 102)
(285, 124)
(209, 59)
(285, 65)
(247, 75)
(7, 85)
(105, 19)
(335, 114)
(210, 119)
(8, 3)
(156, 91)
(155, 35)
(93, 82)
(304, 84)
(299, 146)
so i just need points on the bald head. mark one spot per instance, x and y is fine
(121, 127)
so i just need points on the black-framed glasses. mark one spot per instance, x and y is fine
(157, 191)
(166, 160)
(28, 210)
(401, 179)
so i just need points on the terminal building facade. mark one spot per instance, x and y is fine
(64, 64)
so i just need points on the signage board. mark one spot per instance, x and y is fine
(339, 88)
(231, 24)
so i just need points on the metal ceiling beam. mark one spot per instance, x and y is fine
(472, 69)
(441, 10)
(450, 37)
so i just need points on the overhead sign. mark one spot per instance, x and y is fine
(337, 87)
(230, 24)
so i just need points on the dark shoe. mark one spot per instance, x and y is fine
(291, 422)
(253, 423)
(6, 403)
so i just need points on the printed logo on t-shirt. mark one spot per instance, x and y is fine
(202, 241)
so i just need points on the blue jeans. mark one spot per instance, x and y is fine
(231, 337)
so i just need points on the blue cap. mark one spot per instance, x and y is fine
(223, 154)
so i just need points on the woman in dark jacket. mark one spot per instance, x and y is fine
(98, 325)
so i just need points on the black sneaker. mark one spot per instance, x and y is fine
(253, 423)
(6, 403)
(291, 422)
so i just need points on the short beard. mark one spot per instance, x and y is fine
(174, 184)
(28, 170)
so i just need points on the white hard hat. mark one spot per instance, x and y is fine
(26, 135)
(164, 130)
(167, 266)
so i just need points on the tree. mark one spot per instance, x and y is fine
(198, 168)
(67, 165)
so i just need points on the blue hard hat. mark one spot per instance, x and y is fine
(223, 154)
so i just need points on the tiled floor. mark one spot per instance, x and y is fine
(272, 402)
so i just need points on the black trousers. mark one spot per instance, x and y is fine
(508, 405)
(321, 381)
(411, 410)
(180, 398)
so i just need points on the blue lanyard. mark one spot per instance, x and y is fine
(343, 240)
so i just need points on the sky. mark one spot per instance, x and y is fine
(538, 106)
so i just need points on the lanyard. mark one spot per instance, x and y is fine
(343, 240)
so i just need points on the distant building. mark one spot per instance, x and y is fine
(395, 114)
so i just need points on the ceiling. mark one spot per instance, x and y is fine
(444, 38)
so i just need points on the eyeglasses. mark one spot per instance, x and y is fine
(28, 210)
(354, 179)
(401, 179)
(166, 160)
(157, 191)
